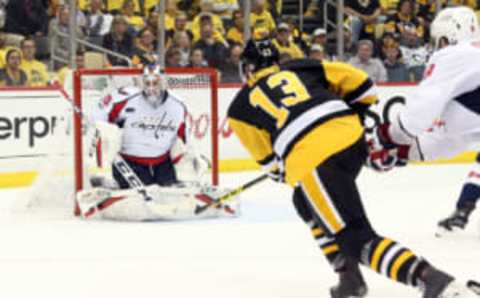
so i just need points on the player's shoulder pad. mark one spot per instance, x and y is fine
(302, 64)
(240, 103)
(119, 95)
(460, 55)
(176, 100)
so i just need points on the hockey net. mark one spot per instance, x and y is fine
(61, 176)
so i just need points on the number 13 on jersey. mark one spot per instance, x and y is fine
(293, 90)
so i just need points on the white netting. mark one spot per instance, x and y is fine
(54, 187)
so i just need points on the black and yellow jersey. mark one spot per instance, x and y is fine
(283, 112)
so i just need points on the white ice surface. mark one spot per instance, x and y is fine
(266, 253)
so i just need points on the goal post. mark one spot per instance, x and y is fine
(196, 87)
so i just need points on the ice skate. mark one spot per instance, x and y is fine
(351, 284)
(455, 222)
(438, 284)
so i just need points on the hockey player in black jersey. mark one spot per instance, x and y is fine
(302, 122)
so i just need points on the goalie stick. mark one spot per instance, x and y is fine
(229, 195)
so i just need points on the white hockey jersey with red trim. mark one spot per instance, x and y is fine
(147, 131)
(443, 111)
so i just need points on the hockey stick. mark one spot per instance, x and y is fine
(229, 195)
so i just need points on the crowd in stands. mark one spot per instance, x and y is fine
(389, 39)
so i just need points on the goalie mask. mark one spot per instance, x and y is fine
(453, 25)
(154, 85)
(257, 54)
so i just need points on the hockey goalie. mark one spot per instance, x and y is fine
(155, 171)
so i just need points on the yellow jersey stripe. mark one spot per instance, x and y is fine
(379, 250)
(321, 202)
(330, 249)
(404, 257)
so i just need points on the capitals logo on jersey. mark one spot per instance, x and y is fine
(159, 126)
(146, 130)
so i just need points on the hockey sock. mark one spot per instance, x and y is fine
(469, 196)
(391, 259)
(328, 246)
(471, 188)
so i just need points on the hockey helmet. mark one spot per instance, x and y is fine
(453, 25)
(154, 84)
(258, 53)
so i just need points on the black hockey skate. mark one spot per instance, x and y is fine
(435, 283)
(474, 286)
(351, 283)
(455, 222)
(438, 284)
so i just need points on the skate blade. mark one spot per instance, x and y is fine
(443, 232)
(474, 286)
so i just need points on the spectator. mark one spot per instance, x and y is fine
(149, 6)
(97, 23)
(128, 9)
(225, 8)
(173, 57)
(260, 17)
(275, 8)
(414, 53)
(119, 40)
(182, 41)
(405, 17)
(27, 17)
(171, 11)
(4, 48)
(64, 75)
(388, 40)
(58, 35)
(389, 7)
(53, 7)
(301, 39)
(372, 66)
(396, 69)
(144, 52)
(190, 7)
(152, 23)
(207, 10)
(35, 70)
(116, 6)
(198, 59)
(180, 26)
(12, 75)
(317, 52)
(284, 58)
(213, 50)
(235, 33)
(230, 68)
(284, 44)
(319, 37)
(364, 15)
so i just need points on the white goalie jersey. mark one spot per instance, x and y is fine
(129, 126)
(147, 131)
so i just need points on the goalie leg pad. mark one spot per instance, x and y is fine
(164, 203)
